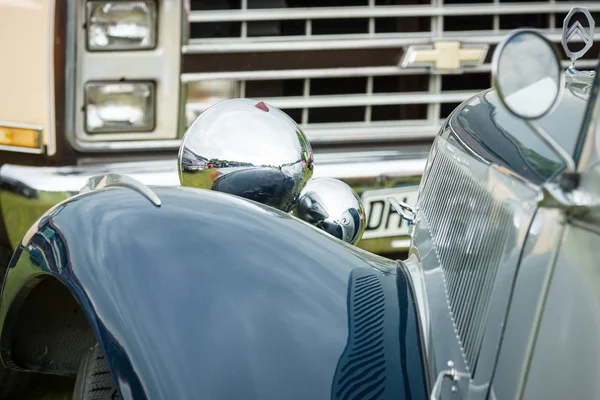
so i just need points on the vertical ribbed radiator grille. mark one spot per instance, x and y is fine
(469, 229)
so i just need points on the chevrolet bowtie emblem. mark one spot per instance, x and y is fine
(445, 56)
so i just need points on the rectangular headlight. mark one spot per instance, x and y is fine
(121, 25)
(119, 107)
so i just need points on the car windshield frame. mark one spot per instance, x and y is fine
(590, 123)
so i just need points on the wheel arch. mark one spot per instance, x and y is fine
(45, 328)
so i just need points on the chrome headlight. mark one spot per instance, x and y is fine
(121, 25)
(119, 107)
(249, 149)
(333, 206)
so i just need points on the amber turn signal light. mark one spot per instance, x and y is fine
(20, 137)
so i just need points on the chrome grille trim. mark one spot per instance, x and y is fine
(367, 130)
(311, 73)
(343, 132)
(459, 215)
(342, 42)
(356, 100)
(421, 107)
(334, 72)
(275, 14)
(374, 131)
(371, 39)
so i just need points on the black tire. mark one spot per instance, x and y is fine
(94, 380)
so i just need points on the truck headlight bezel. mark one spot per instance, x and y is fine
(141, 93)
(144, 44)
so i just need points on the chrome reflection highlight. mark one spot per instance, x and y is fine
(332, 205)
(570, 31)
(407, 212)
(249, 149)
(118, 180)
(528, 76)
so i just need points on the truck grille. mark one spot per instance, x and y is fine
(332, 65)
(470, 230)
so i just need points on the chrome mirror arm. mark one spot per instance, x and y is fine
(558, 149)
(545, 79)
(569, 179)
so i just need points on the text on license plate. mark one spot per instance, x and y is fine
(382, 219)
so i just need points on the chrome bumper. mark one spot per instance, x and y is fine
(27, 192)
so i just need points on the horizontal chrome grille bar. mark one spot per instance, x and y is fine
(300, 73)
(278, 14)
(356, 100)
(373, 131)
(334, 72)
(339, 42)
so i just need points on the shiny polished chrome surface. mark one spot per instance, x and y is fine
(587, 156)
(466, 245)
(406, 211)
(572, 30)
(579, 83)
(587, 150)
(302, 41)
(27, 192)
(33, 190)
(524, 62)
(332, 205)
(118, 180)
(238, 41)
(247, 148)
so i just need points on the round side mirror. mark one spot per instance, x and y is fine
(527, 74)
(333, 206)
(249, 149)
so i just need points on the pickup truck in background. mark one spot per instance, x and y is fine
(93, 87)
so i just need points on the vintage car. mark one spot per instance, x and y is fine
(255, 289)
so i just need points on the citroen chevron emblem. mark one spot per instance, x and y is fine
(586, 34)
(445, 56)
